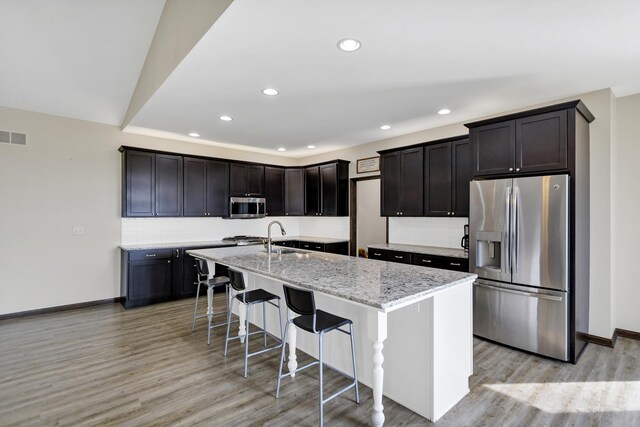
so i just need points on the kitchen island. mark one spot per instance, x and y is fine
(421, 317)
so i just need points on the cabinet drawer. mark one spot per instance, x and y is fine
(150, 254)
(308, 246)
(456, 264)
(427, 261)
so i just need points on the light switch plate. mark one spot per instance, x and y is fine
(77, 230)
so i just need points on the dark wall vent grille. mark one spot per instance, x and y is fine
(18, 138)
(13, 137)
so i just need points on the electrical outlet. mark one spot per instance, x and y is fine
(77, 230)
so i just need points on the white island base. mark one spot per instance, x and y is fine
(419, 354)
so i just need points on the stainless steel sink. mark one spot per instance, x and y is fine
(280, 251)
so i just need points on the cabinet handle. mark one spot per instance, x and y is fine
(399, 256)
(428, 261)
(456, 264)
(453, 213)
(517, 169)
(318, 247)
(169, 262)
(150, 255)
(376, 254)
(177, 253)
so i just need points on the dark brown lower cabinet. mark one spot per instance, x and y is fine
(434, 261)
(340, 248)
(153, 276)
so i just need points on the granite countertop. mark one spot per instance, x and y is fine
(378, 284)
(325, 240)
(427, 250)
(205, 244)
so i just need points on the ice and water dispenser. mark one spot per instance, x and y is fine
(489, 250)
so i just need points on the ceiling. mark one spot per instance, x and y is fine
(417, 56)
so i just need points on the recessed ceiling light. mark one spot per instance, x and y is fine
(282, 149)
(225, 118)
(385, 127)
(194, 134)
(270, 91)
(349, 45)
(444, 111)
(311, 146)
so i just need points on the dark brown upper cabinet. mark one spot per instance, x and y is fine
(274, 190)
(447, 172)
(164, 184)
(294, 192)
(206, 184)
(153, 184)
(536, 143)
(402, 177)
(246, 180)
(327, 189)
(312, 190)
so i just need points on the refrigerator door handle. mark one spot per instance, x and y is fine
(513, 291)
(515, 236)
(507, 239)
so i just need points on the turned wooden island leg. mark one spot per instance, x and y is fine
(377, 334)
(292, 364)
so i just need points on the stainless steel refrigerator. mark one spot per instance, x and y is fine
(519, 248)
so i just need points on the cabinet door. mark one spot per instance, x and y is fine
(329, 190)
(312, 191)
(237, 180)
(188, 284)
(195, 187)
(149, 281)
(437, 179)
(255, 180)
(274, 190)
(541, 142)
(168, 188)
(294, 192)
(217, 188)
(493, 148)
(461, 176)
(411, 182)
(390, 184)
(140, 184)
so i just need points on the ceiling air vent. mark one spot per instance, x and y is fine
(18, 138)
(13, 137)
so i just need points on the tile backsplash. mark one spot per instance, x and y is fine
(168, 230)
(443, 232)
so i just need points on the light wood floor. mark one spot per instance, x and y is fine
(107, 366)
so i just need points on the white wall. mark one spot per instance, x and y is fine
(626, 213)
(69, 175)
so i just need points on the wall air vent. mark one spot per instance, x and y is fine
(17, 138)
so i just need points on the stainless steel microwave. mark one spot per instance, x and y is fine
(247, 207)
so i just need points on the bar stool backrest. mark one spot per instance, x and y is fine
(202, 268)
(237, 280)
(300, 301)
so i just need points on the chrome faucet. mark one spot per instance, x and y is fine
(269, 234)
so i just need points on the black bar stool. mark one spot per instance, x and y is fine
(202, 269)
(249, 298)
(317, 322)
